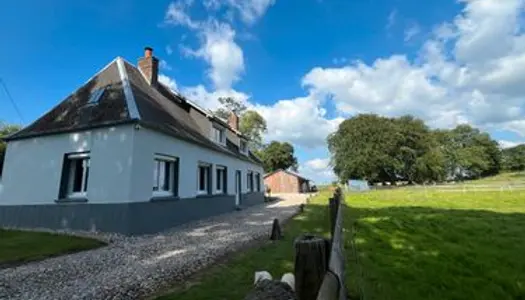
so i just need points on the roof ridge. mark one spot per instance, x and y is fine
(128, 93)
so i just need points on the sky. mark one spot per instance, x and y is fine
(304, 65)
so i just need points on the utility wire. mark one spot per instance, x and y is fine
(12, 101)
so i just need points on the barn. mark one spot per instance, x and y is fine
(285, 181)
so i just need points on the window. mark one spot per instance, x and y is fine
(258, 181)
(249, 183)
(75, 176)
(221, 181)
(165, 181)
(244, 147)
(218, 135)
(95, 96)
(204, 179)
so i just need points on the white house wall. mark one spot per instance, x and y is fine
(147, 143)
(32, 170)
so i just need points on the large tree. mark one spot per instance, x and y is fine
(277, 155)
(513, 159)
(5, 130)
(380, 149)
(251, 123)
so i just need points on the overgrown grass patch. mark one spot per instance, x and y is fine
(17, 247)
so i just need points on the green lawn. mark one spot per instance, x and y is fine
(436, 245)
(17, 247)
(400, 244)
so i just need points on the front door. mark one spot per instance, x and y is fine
(238, 188)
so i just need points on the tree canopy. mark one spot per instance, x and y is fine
(251, 123)
(513, 159)
(380, 149)
(5, 130)
(277, 155)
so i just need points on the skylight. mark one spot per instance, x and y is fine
(95, 96)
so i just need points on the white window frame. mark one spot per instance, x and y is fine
(222, 134)
(171, 188)
(85, 157)
(207, 180)
(245, 150)
(223, 181)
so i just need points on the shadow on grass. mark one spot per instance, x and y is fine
(428, 253)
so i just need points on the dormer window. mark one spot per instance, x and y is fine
(244, 147)
(218, 135)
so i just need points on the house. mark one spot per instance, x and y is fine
(284, 181)
(126, 154)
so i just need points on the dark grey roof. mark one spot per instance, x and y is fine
(127, 98)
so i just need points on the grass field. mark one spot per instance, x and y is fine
(18, 247)
(400, 244)
(434, 245)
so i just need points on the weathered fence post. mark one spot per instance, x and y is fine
(276, 231)
(333, 213)
(311, 264)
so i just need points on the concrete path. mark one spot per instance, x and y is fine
(133, 267)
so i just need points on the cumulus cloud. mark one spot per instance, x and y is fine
(301, 121)
(169, 82)
(470, 71)
(217, 45)
(317, 169)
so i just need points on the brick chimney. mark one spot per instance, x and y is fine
(149, 66)
(233, 120)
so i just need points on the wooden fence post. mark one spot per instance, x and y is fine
(333, 214)
(311, 263)
(276, 231)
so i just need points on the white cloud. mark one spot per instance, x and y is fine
(301, 121)
(471, 70)
(317, 169)
(412, 31)
(391, 20)
(169, 50)
(169, 82)
(217, 45)
(249, 11)
(509, 144)
(209, 99)
(165, 66)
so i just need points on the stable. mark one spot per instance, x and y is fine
(285, 181)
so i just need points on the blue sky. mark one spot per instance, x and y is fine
(304, 65)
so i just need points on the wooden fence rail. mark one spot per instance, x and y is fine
(319, 264)
(333, 287)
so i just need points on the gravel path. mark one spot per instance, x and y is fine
(133, 267)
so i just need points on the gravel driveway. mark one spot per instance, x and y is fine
(133, 267)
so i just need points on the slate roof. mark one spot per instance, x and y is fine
(127, 98)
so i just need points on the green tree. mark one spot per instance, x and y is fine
(513, 159)
(365, 147)
(251, 123)
(5, 130)
(277, 156)
(474, 153)
(229, 104)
